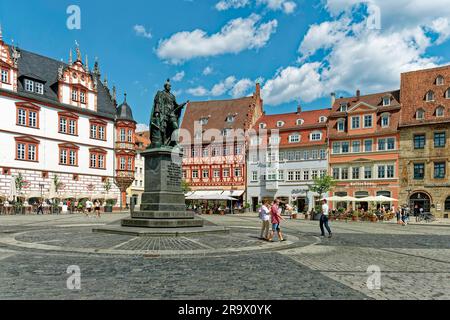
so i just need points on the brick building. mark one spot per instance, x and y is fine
(424, 140)
(364, 146)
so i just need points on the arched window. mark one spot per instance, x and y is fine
(322, 119)
(420, 114)
(447, 204)
(429, 96)
(439, 80)
(440, 111)
(262, 125)
(299, 122)
(447, 93)
(280, 124)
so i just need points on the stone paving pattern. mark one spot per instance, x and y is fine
(414, 262)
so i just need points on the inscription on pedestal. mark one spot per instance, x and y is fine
(174, 175)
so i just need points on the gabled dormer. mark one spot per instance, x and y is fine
(76, 85)
(8, 65)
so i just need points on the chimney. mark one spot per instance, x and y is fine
(358, 94)
(258, 91)
(333, 99)
(299, 109)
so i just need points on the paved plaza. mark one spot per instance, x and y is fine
(36, 251)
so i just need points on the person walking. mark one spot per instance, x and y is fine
(88, 207)
(416, 212)
(97, 208)
(264, 215)
(275, 214)
(398, 215)
(40, 208)
(324, 219)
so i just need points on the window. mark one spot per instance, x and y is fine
(419, 171)
(322, 119)
(316, 136)
(439, 80)
(130, 136)
(205, 152)
(83, 97)
(68, 123)
(420, 114)
(368, 145)
(237, 172)
(336, 147)
(26, 149)
(254, 175)
(194, 174)
(97, 159)
(27, 115)
(341, 125)
(385, 121)
(429, 96)
(226, 173)
(205, 174)
(336, 172)
(98, 130)
(4, 76)
(447, 204)
(226, 132)
(299, 122)
(386, 101)
(345, 147)
(367, 172)
(29, 85)
(274, 140)
(130, 164)
(343, 107)
(294, 138)
(315, 154)
(440, 111)
(306, 175)
(323, 173)
(323, 154)
(447, 94)
(290, 176)
(391, 143)
(122, 135)
(262, 125)
(344, 174)
(356, 146)
(439, 139)
(204, 121)
(74, 95)
(381, 144)
(281, 175)
(280, 124)
(368, 121)
(390, 171)
(305, 154)
(314, 174)
(68, 155)
(355, 173)
(230, 119)
(419, 141)
(439, 170)
(39, 88)
(381, 172)
(355, 122)
(194, 152)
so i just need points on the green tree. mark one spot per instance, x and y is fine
(20, 182)
(185, 186)
(322, 185)
(107, 185)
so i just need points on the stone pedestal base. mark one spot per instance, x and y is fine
(163, 210)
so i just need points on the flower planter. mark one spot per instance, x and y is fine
(294, 216)
(354, 218)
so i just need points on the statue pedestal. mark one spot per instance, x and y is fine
(163, 209)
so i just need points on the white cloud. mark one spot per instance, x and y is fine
(199, 91)
(178, 76)
(230, 85)
(237, 35)
(207, 71)
(141, 31)
(353, 56)
(286, 6)
(228, 4)
(140, 127)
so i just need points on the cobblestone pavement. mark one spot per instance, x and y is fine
(35, 252)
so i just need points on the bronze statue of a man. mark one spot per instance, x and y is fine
(164, 119)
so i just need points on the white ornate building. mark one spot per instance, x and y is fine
(61, 120)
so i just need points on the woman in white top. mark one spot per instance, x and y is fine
(264, 215)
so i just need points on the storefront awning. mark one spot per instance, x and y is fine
(233, 193)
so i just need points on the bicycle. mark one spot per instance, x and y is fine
(428, 217)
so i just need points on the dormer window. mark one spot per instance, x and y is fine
(385, 120)
(204, 121)
(280, 124)
(386, 101)
(322, 119)
(439, 80)
(343, 107)
(34, 86)
(4, 76)
(429, 96)
(341, 125)
(262, 125)
(39, 87)
(420, 114)
(29, 85)
(440, 111)
(299, 122)
(230, 119)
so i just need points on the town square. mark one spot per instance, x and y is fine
(275, 150)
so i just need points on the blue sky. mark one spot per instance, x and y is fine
(299, 50)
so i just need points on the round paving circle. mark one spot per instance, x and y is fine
(82, 240)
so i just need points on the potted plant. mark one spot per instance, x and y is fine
(355, 216)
